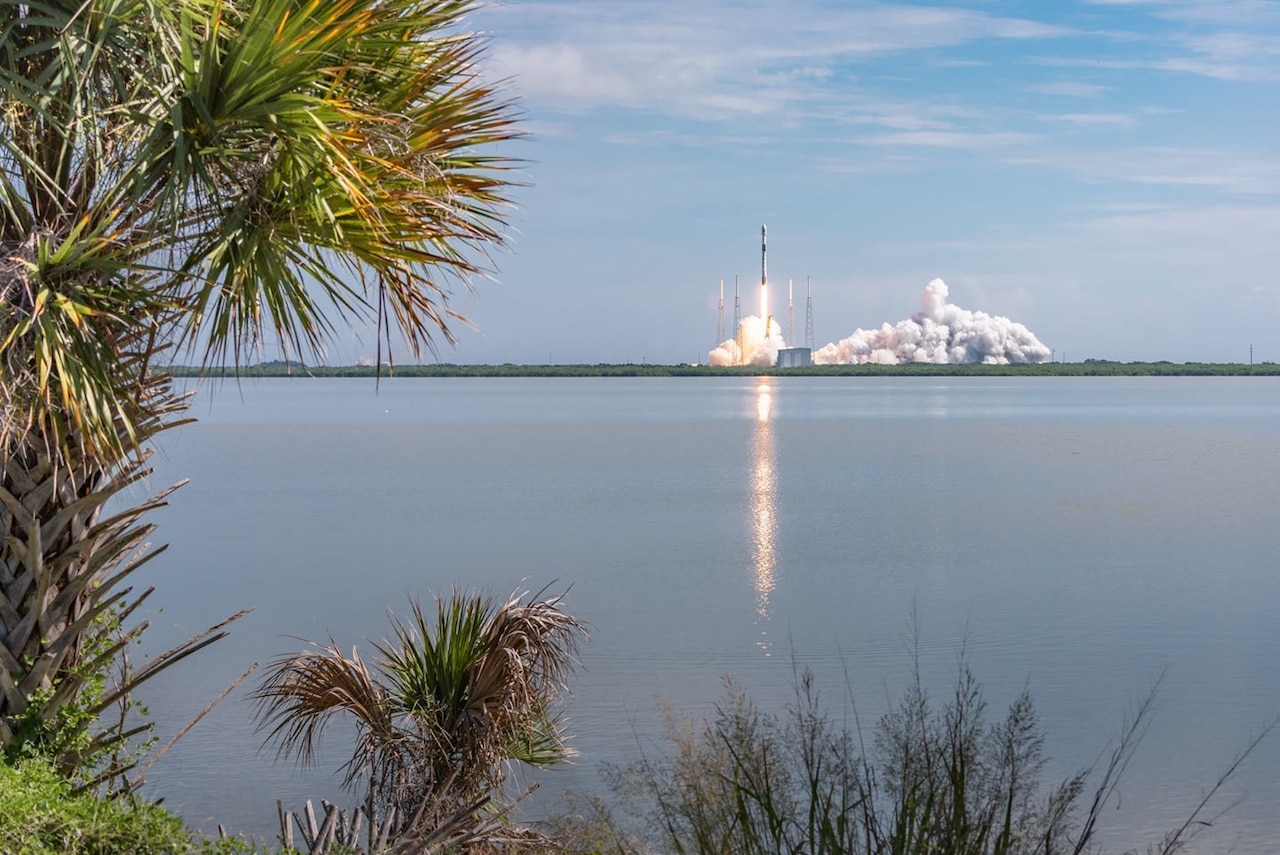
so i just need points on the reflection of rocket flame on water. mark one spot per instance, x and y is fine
(764, 511)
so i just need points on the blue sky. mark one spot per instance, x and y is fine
(1106, 173)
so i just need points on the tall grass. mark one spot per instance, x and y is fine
(932, 779)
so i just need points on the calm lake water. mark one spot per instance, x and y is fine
(1079, 536)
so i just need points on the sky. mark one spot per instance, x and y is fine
(1105, 172)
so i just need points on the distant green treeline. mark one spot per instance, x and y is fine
(1088, 368)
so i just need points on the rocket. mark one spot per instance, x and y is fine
(764, 279)
(764, 256)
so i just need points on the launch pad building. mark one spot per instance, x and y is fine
(794, 357)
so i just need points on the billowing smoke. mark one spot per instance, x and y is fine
(941, 334)
(752, 346)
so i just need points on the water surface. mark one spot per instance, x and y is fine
(1080, 536)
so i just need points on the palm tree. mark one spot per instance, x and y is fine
(441, 710)
(202, 174)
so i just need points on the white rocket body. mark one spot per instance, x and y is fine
(764, 279)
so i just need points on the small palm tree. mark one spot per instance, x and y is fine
(442, 709)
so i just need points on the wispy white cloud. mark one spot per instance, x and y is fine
(1134, 207)
(1235, 12)
(1210, 235)
(1230, 40)
(1109, 120)
(565, 75)
(1219, 170)
(889, 163)
(951, 139)
(906, 115)
(719, 57)
(1069, 89)
(1203, 66)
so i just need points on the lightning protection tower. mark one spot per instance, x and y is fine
(720, 319)
(737, 309)
(808, 315)
(737, 318)
(791, 316)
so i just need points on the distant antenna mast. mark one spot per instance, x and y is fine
(720, 319)
(791, 315)
(808, 315)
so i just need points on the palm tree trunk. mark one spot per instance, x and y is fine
(63, 560)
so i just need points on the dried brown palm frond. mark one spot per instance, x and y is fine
(302, 693)
(443, 707)
(437, 826)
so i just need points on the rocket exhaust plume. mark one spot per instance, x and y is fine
(940, 334)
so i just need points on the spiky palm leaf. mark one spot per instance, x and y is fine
(63, 597)
(216, 170)
(443, 707)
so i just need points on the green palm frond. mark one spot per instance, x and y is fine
(365, 196)
(430, 670)
(217, 172)
(542, 742)
(451, 697)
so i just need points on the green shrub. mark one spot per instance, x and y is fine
(929, 779)
(40, 814)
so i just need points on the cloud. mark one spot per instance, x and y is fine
(1069, 89)
(889, 164)
(717, 57)
(1230, 40)
(1225, 171)
(1135, 207)
(564, 74)
(1202, 66)
(1110, 120)
(951, 139)
(1239, 12)
(1218, 241)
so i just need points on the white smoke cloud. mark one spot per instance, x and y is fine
(752, 346)
(941, 334)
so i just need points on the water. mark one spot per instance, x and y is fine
(1080, 536)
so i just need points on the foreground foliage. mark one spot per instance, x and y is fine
(214, 173)
(439, 712)
(41, 815)
(942, 779)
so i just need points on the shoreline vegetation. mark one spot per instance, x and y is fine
(1087, 368)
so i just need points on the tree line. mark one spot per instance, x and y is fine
(1087, 368)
